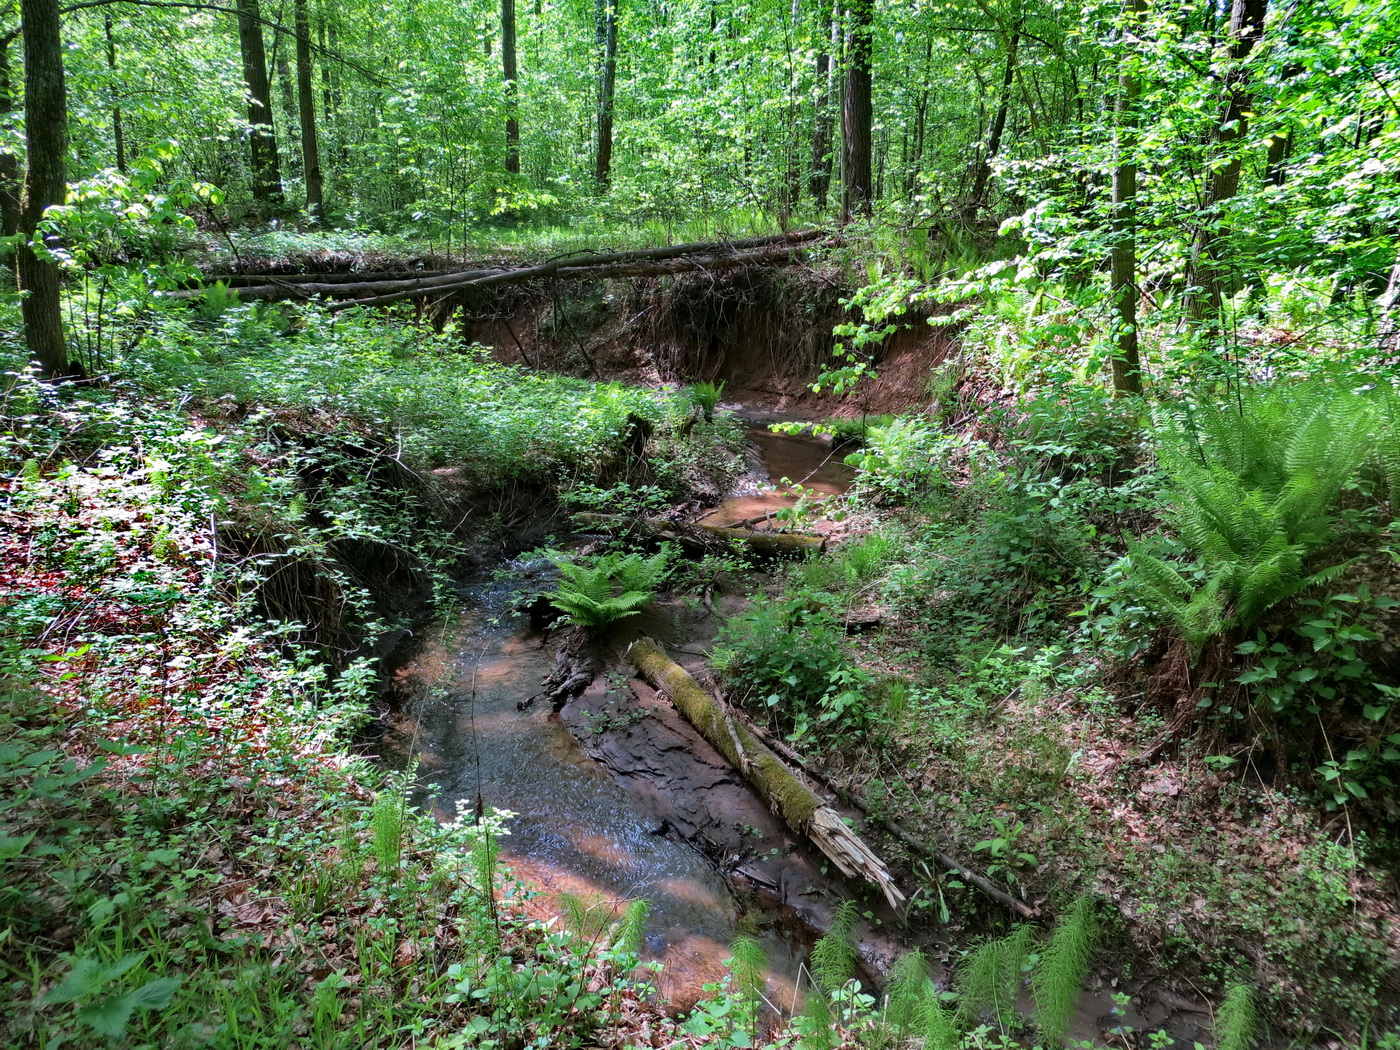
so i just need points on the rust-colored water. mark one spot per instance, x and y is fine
(575, 830)
(802, 460)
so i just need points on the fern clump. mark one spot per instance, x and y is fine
(990, 978)
(596, 592)
(705, 396)
(1235, 1019)
(1061, 971)
(1253, 488)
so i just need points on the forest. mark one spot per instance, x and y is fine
(700, 524)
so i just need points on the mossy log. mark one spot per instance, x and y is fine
(703, 538)
(780, 787)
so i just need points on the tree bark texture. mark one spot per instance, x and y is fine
(1246, 30)
(266, 169)
(607, 92)
(46, 130)
(306, 105)
(10, 176)
(857, 115)
(819, 175)
(1127, 368)
(118, 133)
(508, 70)
(982, 177)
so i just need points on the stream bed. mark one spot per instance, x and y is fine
(616, 797)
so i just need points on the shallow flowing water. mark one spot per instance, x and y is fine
(581, 829)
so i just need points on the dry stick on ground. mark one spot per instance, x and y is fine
(899, 831)
(780, 787)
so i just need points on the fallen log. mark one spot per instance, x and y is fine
(599, 268)
(702, 538)
(278, 290)
(898, 830)
(788, 796)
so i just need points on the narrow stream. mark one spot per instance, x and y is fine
(631, 828)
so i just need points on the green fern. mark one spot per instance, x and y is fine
(1060, 974)
(834, 956)
(904, 992)
(1254, 487)
(939, 1024)
(749, 969)
(1235, 1019)
(599, 591)
(816, 1024)
(990, 978)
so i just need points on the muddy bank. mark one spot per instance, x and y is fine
(765, 332)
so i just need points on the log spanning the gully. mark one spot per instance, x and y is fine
(382, 289)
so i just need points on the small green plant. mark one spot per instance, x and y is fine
(705, 396)
(990, 978)
(905, 991)
(388, 820)
(749, 969)
(939, 1024)
(1235, 1019)
(595, 592)
(1060, 973)
(833, 959)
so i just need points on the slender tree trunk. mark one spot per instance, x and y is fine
(118, 136)
(1127, 369)
(819, 177)
(511, 90)
(856, 113)
(9, 160)
(46, 131)
(1246, 29)
(607, 89)
(982, 177)
(306, 104)
(267, 176)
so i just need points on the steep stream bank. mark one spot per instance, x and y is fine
(615, 795)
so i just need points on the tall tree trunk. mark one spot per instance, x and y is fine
(857, 113)
(607, 89)
(306, 104)
(267, 176)
(983, 173)
(1246, 29)
(9, 160)
(118, 135)
(511, 90)
(819, 177)
(1127, 368)
(46, 131)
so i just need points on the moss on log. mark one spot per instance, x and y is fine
(704, 538)
(780, 787)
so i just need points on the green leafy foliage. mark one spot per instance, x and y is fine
(1235, 1019)
(598, 591)
(990, 978)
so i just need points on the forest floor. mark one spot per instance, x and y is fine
(196, 585)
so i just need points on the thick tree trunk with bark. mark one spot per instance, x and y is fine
(857, 115)
(819, 176)
(1127, 369)
(10, 176)
(266, 170)
(1208, 274)
(508, 71)
(306, 104)
(607, 91)
(46, 131)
